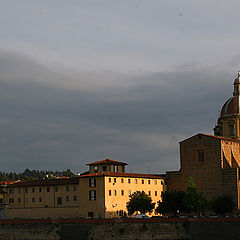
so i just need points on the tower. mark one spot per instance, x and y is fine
(228, 124)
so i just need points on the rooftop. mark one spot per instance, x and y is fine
(112, 174)
(45, 182)
(107, 161)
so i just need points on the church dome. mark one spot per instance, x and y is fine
(231, 106)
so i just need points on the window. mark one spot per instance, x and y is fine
(162, 182)
(104, 168)
(26, 190)
(74, 198)
(142, 181)
(40, 189)
(40, 199)
(19, 200)
(95, 169)
(67, 188)
(74, 188)
(136, 181)
(59, 201)
(109, 192)
(231, 130)
(129, 192)
(110, 180)
(92, 182)
(33, 190)
(11, 191)
(149, 181)
(115, 192)
(122, 180)
(11, 200)
(48, 189)
(122, 192)
(155, 193)
(56, 189)
(33, 199)
(149, 193)
(92, 195)
(155, 182)
(67, 198)
(115, 180)
(90, 214)
(201, 156)
(116, 168)
(19, 190)
(129, 180)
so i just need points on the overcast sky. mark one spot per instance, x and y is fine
(82, 81)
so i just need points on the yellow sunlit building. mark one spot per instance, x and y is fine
(101, 193)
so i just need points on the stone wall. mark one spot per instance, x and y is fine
(117, 229)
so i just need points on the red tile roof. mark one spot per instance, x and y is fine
(216, 137)
(45, 182)
(107, 161)
(112, 174)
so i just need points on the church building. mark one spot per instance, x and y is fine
(213, 161)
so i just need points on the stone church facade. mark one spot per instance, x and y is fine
(213, 161)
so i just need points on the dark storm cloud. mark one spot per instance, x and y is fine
(50, 121)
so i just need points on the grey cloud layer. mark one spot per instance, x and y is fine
(47, 124)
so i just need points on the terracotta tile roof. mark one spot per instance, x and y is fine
(45, 182)
(107, 161)
(112, 174)
(213, 136)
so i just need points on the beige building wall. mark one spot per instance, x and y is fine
(43, 201)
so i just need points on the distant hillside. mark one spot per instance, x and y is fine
(34, 174)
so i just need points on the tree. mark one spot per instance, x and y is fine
(194, 202)
(139, 201)
(223, 204)
(172, 202)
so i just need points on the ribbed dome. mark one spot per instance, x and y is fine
(231, 106)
